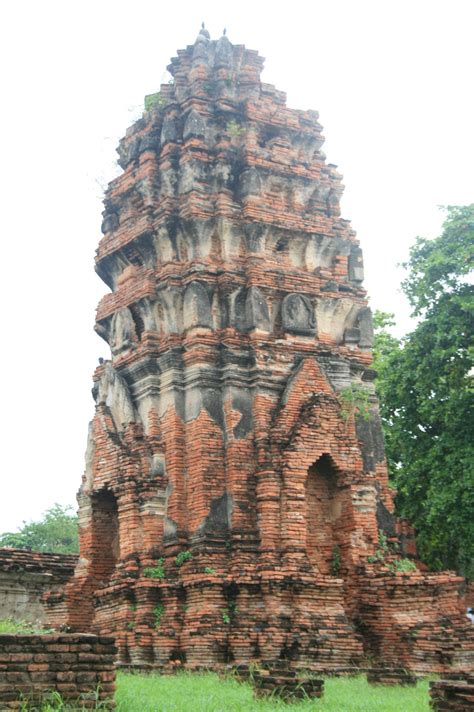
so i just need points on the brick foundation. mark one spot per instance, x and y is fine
(390, 676)
(236, 484)
(415, 620)
(452, 695)
(79, 667)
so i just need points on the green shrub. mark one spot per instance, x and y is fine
(233, 128)
(152, 100)
(156, 572)
(354, 401)
(404, 565)
(158, 611)
(182, 557)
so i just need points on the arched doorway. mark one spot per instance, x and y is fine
(323, 515)
(105, 534)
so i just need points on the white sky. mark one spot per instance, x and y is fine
(392, 82)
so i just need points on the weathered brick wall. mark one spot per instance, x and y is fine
(79, 667)
(32, 586)
(416, 620)
(469, 595)
(452, 695)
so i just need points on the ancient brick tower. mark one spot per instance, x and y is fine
(233, 498)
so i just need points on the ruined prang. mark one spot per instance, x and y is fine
(235, 505)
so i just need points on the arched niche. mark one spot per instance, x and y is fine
(324, 515)
(194, 126)
(237, 309)
(250, 183)
(297, 315)
(169, 130)
(113, 392)
(144, 316)
(256, 310)
(164, 246)
(161, 317)
(320, 252)
(105, 534)
(366, 328)
(196, 307)
(123, 331)
(359, 329)
(248, 309)
(296, 250)
(185, 248)
(168, 311)
(216, 311)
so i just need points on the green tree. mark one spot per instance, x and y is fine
(386, 352)
(425, 385)
(57, 532)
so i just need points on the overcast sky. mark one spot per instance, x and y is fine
(392, 82)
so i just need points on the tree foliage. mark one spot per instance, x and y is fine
(425, 384)
(57, 532)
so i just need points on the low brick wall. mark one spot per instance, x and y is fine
(415, 620)
(452, 695)
(32, 586)
(79, 667)
(390, 676)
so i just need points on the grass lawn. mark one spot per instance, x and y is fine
(192, 692)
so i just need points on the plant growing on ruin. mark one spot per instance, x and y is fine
(156, 572)
(182, 557)
(209, 570)
(229, 613)
(234, 129)
(403, 565)
(158, 611)
(382, 549)
(336, 560)
(354, 401)
(153, 100)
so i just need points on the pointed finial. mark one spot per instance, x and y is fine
(203, 32)
(224, 32)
